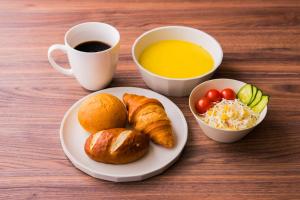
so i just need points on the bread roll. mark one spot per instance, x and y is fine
(117, 146)
(100, 112)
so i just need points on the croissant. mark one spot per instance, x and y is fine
(117, 146)
(148, 115)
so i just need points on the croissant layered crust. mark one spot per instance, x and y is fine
(148, 115)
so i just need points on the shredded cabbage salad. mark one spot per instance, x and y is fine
(230, 115)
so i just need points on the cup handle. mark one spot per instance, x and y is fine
(62, 70)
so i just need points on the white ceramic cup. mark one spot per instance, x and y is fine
(176, 86)
(93, 70)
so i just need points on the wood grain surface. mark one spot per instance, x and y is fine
(261, 44)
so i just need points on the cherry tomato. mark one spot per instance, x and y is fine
(213, 95)
(228, 94)
(203, 104)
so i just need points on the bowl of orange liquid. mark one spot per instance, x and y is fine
(174, 59)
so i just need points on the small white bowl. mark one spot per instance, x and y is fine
(220, 135)
(175, 86)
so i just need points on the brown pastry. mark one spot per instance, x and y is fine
(148, 115)
(100, 112)
(117, 146)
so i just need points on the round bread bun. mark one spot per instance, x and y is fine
(100, 112)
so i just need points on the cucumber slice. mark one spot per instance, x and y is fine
(256, 99)
(261, 105)
(245, 94)
(254, 92)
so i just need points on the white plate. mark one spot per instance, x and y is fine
(73, 136)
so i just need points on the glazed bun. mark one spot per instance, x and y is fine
(100, 112)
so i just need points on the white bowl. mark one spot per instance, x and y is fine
(175, 86)
(219, 135)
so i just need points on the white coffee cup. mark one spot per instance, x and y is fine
(93, 70)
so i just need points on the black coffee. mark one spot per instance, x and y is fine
(92, 46)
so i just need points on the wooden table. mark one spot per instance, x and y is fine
(261, 44)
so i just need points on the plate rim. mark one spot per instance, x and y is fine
(111, 177)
